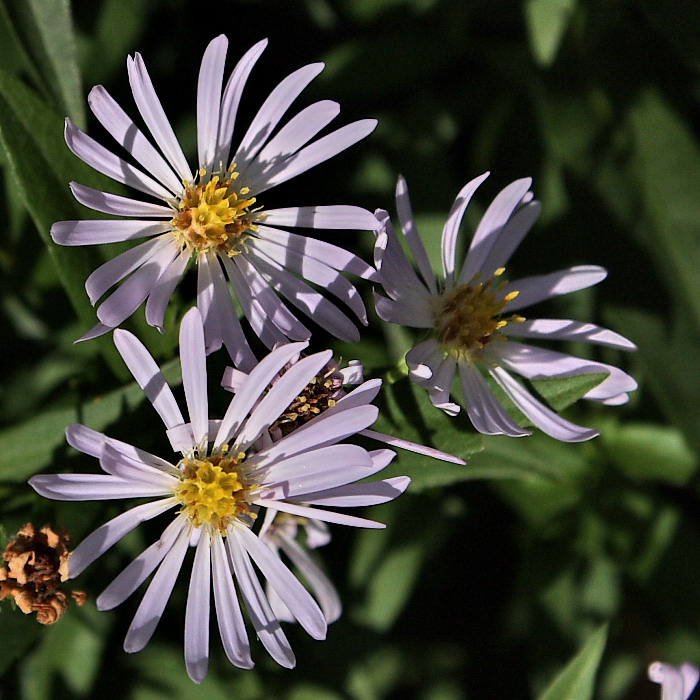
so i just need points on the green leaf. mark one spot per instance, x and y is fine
(19, 632)
(551, 474)
(650, 451)
(560, 393)
(666, 161)
(670, 361)
(29, 447)
(406, 412)
(577, 680)
(547, 21)
(31, 134)
(49, 36)
(71, 648)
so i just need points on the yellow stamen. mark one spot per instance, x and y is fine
(214, 216)
(214, 491)
(469, 316)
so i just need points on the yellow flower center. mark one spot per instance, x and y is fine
(214, 216)
(213, 491)
(469, 316)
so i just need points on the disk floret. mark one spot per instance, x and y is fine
(320, 394)
(214, 215)
(469, 316)
(214, 491)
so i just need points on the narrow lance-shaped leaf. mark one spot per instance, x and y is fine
(576, 681)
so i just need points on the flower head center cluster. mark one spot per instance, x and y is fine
(469, 316)
(214, 491)
(320, 394)
(214, 216)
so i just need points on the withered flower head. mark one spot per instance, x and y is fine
(36, 563)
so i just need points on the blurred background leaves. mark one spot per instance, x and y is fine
(491, 580)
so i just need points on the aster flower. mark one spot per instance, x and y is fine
(214, 215)
(218, 486)
(471, 316)
(281, 532)
(677, 683)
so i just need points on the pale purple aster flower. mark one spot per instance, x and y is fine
(218, 487)
(470, 318)
(677, 682)
(215, 215)
(280, 532)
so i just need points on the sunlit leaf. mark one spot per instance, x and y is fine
(29, 447)
(547, 21)
(577, 680)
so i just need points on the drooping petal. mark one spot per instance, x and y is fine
(98, 231)
(148, 376)
(292, 136)
(91, 487)
(338, 216)
(208, 308)
(228, 612)
(209, 84)
(118, 205)
(310, 302)
(197, 613)
(194, 375)
(423, 359)
(450, 230)
(318, 514)
(152, 113)
(510, 238)
(105, 162)
(107, 535)
(270, 113)
(261, 615)
(282, 393)
(252, 308)
(356, 495)
(273, 307)
(532, 290)
(231, 331)
(132, 470)
(327, 253)
(320, 584)
(408, 226)
(321, 274)
(231, 99)
(143, 566)
(163, 289)
(128, 135)
(317, 433)
(116, 269)
(318, 152)
(297, 599)
(153, 603)
(564, 329)
(117, 307)
(491, 227)
(251, 390)
(411, 446)
(485, 412)
(544, 418)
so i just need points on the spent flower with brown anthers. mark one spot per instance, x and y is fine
(36, 563)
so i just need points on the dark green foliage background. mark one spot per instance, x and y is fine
(489, 578)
